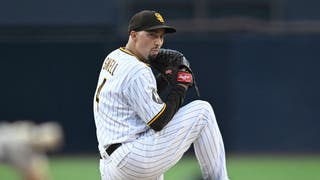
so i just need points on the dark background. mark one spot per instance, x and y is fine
(256, 62)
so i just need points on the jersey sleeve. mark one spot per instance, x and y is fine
(143, 97)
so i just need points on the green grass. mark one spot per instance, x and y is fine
(253, 167)
(274, 167)
(75, 168)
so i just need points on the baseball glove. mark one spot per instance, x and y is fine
(174, 67)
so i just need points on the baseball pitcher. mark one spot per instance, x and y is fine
(140, 135)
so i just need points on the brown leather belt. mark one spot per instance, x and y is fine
(112, 148)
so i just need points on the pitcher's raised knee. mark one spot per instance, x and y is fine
(206, 109)
(202, 104)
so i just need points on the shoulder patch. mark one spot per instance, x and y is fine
(156, 98)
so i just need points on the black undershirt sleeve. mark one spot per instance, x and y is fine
(173, 102)
(162, 83)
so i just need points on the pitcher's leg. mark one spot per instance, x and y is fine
(153, 153)
(161, 177)
(209, 148)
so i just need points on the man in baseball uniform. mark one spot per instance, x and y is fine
(140, 135)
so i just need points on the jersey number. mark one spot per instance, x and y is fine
(99, 89)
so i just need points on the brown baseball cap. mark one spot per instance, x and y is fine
(148, 20)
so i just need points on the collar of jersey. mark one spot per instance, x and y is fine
(131, 53)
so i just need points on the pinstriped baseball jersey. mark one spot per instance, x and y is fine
(126, 103)
(126, 99)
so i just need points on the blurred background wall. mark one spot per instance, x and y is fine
(256, 61)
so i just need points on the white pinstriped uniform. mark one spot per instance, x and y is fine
(123, 108)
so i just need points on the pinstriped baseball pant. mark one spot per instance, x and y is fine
(153, 153)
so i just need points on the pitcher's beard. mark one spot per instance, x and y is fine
(151, 57)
